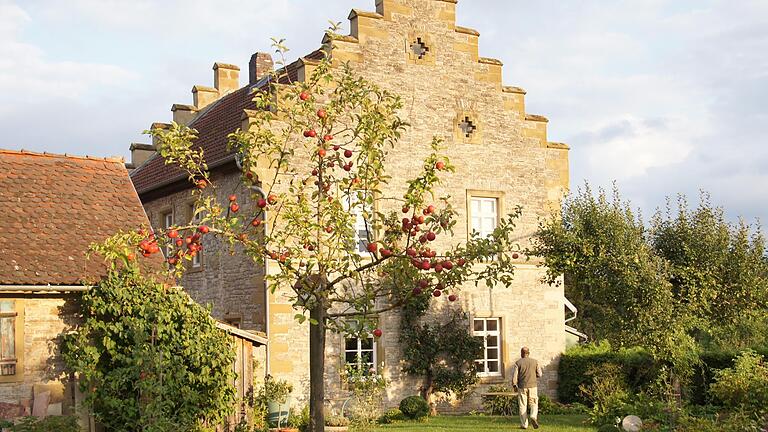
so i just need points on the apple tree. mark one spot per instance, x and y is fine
(315, 161)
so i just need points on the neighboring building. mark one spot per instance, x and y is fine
(52, 207)
(503, 159)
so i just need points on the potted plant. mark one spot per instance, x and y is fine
(277, 394)
(336, 423)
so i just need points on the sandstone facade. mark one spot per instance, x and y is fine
(416, 49)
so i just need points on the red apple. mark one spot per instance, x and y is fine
(348, 153)
(262, 203)
(329, 229)
(173, 234)
(426, 265)
(272, 199)
(203, 229)
(447, 265)
(131, 256)
(304, 96)
(327, 138)
(452, 297)
(201, 184)
(232, 198)
(377, 333)
(322, 152)
(431, 236)
(438, 268)
(406, 209)
(321, 113)
(416, 291)
(179, 242)
(440, 165)
(411, 252)
(385, 252)
(423, 283)
(234, 207)
(256, 222)
(461, 262)
(515, 255)
(371, 247)
(437, 293)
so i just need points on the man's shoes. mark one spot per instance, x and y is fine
(535, 423)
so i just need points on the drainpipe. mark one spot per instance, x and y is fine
(572, 308)
(263, 194)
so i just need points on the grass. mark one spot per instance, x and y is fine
(549, 423)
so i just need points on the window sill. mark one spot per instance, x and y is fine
(496, 379)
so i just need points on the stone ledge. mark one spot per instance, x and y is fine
(536, 118)
(219, 65)
(449, 1)
(140, 146)
(512, 89)
(486, 60)
(341, 38)
(307, 61)
(467, 30)
(357, 12)
(200, 88)
(183, 107)
(559, 146)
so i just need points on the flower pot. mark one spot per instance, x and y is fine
(277, 413)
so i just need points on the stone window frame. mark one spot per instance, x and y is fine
(426, 39)
(499, 333)
(477, 135)
(18, 306)
(378, 350)
(489, 194)
(373, 233)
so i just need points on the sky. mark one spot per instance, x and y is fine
(660, 97)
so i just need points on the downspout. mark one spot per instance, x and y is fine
(267, 369)
(570, 307)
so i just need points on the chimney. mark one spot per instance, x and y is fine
(156, 125)
(183, 114)
(261, 65)
(140, 153)
(203, 96)
(226, 78)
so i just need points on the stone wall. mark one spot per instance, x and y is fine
(507, 156)
(45, 318)
(227, 281)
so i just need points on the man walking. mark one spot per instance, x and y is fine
(524, 382)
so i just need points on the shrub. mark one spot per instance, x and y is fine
(548, 406)
(607, 428)
(736, 422)
(608, 393)
(745, 385)
(336, 421)
(500, 405)
(391, 416)
(47, 424)
(637, 367)
(414, 407)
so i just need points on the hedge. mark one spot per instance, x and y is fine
(639, 370)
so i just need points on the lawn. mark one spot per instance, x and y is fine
(549, 423)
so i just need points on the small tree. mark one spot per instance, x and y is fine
(442, 353)
(148, 357)
(315, 156)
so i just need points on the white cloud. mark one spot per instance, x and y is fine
(27, 76)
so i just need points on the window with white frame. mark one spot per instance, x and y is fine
(363, 229)
(360, 350)
(8, 324)
(167, 223)
(488, 329)
(485, 215)
(197, 260)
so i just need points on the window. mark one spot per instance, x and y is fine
(167, 223)
(363, 229)
(8, 359)
(360, 351)
(197, 259)
(489, 330)
(484, 213)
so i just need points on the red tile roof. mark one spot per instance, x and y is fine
(52, 207)
(213, 125)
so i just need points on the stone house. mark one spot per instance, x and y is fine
(52, 207)
(503, 157)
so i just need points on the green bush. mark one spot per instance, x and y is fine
(336, 421)
(414, 407)
(608, 393)
(47, 424)
(745, 385)
(550, 407)
(391, 416)
(607, 428)
(735, 422)
(500, 405)
(637, 366)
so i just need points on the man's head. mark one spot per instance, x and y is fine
(524, 352)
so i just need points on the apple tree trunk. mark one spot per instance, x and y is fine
(318, 314)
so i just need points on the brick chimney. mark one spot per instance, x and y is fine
(261, 65)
